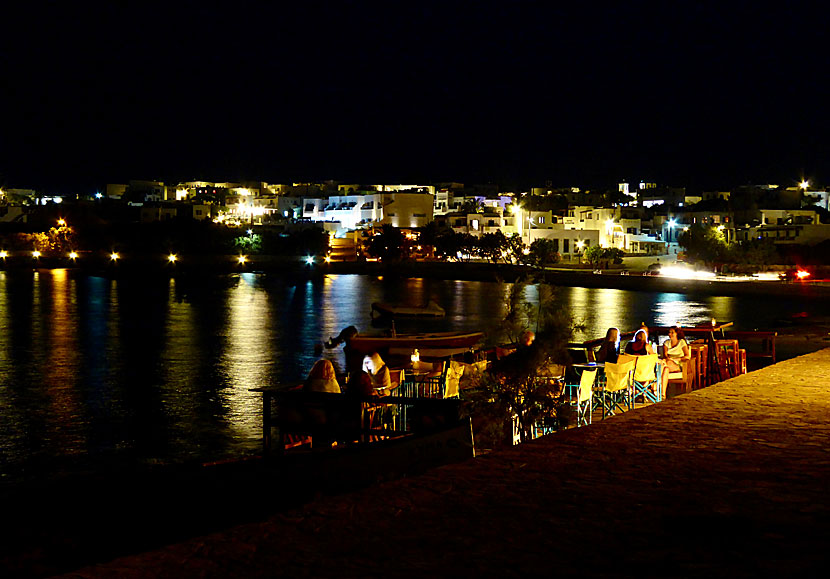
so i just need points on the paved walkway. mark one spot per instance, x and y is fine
(730, 481)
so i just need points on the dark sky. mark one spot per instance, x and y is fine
(701, 95)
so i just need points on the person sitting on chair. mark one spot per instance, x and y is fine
(322, 378)
(639, 346)
(379, 373)
(610, 348)
(676, 351)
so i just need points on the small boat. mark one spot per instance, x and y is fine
(432, 310)
(437, 340)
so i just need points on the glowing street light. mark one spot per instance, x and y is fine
(242, 259)
(36, 254)
(802, 274)
(172, 258)
(804, 184)
(250, 232)
(4, 254)
(672, 223)
(62, 222)
(114, 256)
(73, 255)
(327, 259)
(309, 260)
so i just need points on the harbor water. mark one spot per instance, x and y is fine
(97, 370)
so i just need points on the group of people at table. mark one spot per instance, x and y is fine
(675, 351)
(373, 380)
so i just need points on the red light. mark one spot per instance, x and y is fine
(801, 274)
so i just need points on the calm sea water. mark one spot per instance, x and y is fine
(96, 370)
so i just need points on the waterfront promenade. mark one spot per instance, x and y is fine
(731, 480)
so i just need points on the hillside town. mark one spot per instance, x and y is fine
(642, 218)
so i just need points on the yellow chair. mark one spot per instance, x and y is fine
(454, 373)
(585, 397)
(618, 387)
(647, 378)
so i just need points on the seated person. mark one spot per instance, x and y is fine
(322, 378)
(526, 339)
(379, 373)
(639, 346)
(610, 348)
(676, 351)
(360, 385)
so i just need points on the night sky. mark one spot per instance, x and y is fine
(518, 93)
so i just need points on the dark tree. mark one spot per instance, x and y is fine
(388, 245)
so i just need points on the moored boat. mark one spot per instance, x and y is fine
(436, 340)
(431, 310)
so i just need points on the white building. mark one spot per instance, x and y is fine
(614, 225)
(405, 210)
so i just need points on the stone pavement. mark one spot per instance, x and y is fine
(730, 481)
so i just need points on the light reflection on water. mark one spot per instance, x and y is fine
(246, 362)
(160, 369)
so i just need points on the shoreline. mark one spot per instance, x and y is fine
(295, 267)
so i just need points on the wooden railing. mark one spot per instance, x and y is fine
(340, 417)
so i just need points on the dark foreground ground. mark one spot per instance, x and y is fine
(729, 481)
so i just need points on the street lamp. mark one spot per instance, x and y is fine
(172, 258)
(242, 259)
(114, 256)
(804, 184)
(73, 255)
(61, 221)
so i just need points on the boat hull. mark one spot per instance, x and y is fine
(433, 310)
(369, 344)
